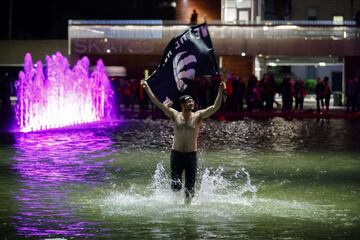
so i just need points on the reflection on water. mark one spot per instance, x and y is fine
(256, 179)
(47, 163)
(280, 135)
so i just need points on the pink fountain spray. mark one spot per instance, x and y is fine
(57, 96)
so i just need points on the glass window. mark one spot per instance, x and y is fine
(230, 15)
(243, 3)
(230, 3)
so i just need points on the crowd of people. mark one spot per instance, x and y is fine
(253, 95)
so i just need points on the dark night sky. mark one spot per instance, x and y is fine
(46, 19)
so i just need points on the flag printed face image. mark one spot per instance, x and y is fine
(186, 57)
(184, 69)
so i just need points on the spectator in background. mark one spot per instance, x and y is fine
(138, 96)
(267, 87)
(319, 92)
(239, 93)
(250, 92)
(126, 92)
(271, 93)
(194, 18)
(327, 93)
(292, 92)
(115, 82)
(357, 92)
(256, 97)
(357, 19)
(350, 95)
(300, 94)
(286, 93)
(229, 92)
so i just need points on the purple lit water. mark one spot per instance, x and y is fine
(57, 95)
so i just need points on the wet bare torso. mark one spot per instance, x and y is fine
(186, 132)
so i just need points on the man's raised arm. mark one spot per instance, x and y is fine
(207, 112)
(165, 108)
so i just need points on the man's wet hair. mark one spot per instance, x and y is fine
(184, 98)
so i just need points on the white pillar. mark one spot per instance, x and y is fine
(258, 67)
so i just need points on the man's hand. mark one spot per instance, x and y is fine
(222, 85)
(144, 84)
(168, 103)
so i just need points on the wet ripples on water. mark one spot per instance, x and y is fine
(275, 134)
(112, 180)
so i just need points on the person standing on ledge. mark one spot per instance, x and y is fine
(194, 18)
(186, 127)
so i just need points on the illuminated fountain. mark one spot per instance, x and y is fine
(57, 96)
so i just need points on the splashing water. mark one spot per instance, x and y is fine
(218, 195)
(57, 96)
(213, 186)
(158, 198)
(237, 189)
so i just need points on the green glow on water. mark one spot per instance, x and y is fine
(299, 196)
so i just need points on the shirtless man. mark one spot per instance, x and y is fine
(186, 128)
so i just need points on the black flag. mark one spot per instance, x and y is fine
(187, 56)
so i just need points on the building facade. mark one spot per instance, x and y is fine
(249, 36)
(309, 37)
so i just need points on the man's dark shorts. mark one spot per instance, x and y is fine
(179, 162)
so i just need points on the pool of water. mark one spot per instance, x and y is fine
(269, 179)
